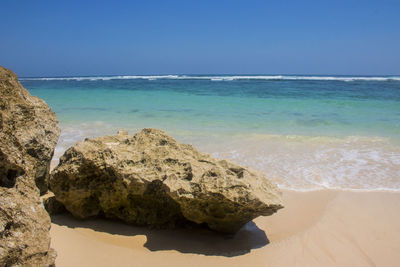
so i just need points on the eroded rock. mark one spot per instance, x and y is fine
(28, 135)
(24, 229)
(151, 179)
(26, 124)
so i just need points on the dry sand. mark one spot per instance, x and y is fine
(320, 228)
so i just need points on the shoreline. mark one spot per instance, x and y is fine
(302, 163)
(317, 228)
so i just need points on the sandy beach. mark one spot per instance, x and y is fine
(318, 228)
(199, 133)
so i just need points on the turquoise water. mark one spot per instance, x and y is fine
(305, 132)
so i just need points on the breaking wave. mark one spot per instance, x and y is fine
(220, 78)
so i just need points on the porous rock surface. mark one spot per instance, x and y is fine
(28, 128)
(24, 228)
(28, 135)
(151, 179)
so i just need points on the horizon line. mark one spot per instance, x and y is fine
(214, 74)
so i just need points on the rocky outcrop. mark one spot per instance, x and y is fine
(151, 179)
(27, 124)
(28, 135)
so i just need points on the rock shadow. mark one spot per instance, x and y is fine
(196, 240)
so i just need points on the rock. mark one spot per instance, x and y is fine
(30, 126)
(28, 134)
(24, 229)
(151, 179)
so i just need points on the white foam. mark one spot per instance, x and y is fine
(219, 78)
(312, 163)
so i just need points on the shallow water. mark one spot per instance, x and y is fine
(305, 132)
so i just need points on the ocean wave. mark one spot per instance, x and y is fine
(307, 163)
(219, 78)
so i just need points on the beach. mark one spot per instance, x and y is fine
(200, 133)
(318, 228)
(330, 143)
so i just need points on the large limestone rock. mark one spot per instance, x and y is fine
(151, 179)
(26, 124)
(28, 134)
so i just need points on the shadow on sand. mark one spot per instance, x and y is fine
(198, 240)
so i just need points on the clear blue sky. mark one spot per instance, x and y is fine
(50, 38)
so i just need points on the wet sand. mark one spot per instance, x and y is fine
(318, 228)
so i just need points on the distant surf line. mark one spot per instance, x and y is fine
(219, 78)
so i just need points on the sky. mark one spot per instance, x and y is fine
(67, 38)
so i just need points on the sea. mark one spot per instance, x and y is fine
(303, 132)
